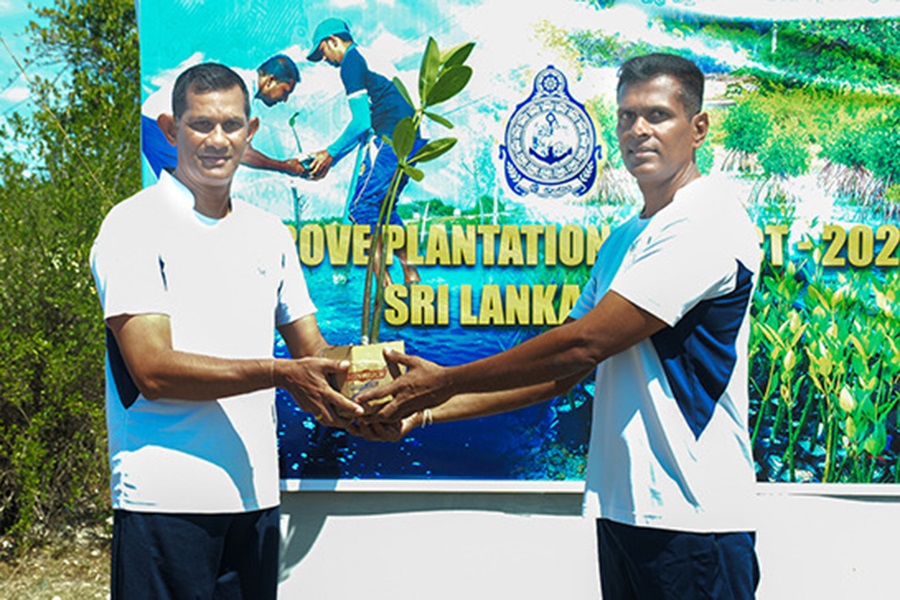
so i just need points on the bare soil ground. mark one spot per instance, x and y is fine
(65, 567)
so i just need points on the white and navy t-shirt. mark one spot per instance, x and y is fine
(669, 442)
(225, 285)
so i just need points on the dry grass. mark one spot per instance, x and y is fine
(70, 567)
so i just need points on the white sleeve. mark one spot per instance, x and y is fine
(128, 270)
(294, 301)
(679, 266)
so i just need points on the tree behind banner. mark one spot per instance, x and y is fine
(83, 146)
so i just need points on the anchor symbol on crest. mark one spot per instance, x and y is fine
(542, 137)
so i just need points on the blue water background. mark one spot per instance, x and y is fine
(544, 442)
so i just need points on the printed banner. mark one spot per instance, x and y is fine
(501, 231)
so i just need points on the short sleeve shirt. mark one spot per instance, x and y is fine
(669, 443)
(225, 285)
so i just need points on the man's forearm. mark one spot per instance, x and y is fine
(473, 406)
(555, 357)
(360, 123)
(186, 376)
(257, 160)
(558, 354)
(160, 371)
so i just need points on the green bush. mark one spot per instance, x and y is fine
(843, 146)
(746, 127)
(53, 467)
(604, 113)
(705, 158)
(879, 147)
(786, 154)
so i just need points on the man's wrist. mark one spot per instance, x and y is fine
(274, 373)
(450, 381)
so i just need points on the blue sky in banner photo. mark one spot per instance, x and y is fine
(14, 97)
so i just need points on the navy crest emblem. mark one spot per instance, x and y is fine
(550, 144)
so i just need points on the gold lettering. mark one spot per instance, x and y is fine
(443, 310)
(421, 304)
(396, 311)
(542, 312)
(465, 306)
(338, 239)
(465, 245)
(550, 246)
(776, 235)
(571, 245)
(396, 239)
(488, 233)
(510, 247)
(491, 312)
(311, 247)
(570, 294)
(458, 245)
(595, 239)
(412, 245)
(437, 250)
(532, 243)
(362, 241)
(517, 301)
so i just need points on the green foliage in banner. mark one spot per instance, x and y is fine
(880, 151)
(836, 52)
(604, 113)
(892, 200)
(826, 370)
(811, 89)
(442, 75)
(833, 79)
(85, 143)
(747, 128)
(786, 154)
(843, 145)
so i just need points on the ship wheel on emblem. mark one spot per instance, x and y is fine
(550, 144)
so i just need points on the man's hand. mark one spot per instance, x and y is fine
(320, 165)
(294, 167)
(375, 431)
(424, 385)
(306, 379)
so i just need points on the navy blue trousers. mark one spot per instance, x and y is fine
(643, 563)
(161, 556)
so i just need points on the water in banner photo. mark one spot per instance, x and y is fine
(511, 178)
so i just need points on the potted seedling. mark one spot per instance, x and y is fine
(442, 76)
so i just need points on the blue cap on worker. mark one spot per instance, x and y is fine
(325, 29)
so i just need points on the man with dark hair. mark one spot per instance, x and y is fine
(647, 67)
(274, 80)
(193, 284)
(664, 320)
(375, 105)
(277, 78)
(202, 79)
